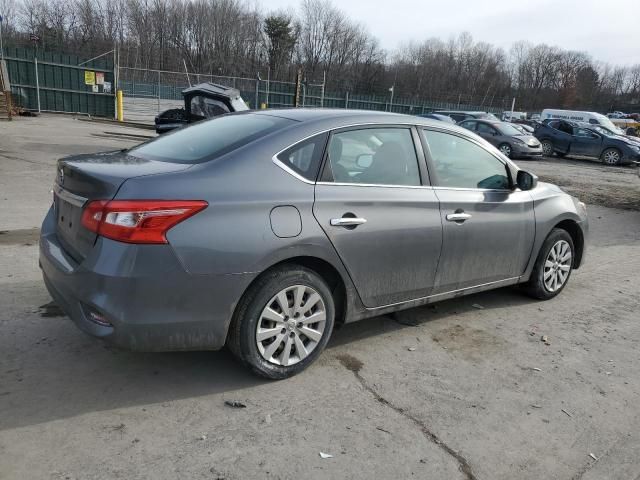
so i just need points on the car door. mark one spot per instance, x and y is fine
(488, 227)
(586, 142)
(375, 205)
(561, 134)
(489, 133)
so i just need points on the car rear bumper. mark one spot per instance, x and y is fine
(149, 301)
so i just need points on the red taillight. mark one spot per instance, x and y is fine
(138, 221)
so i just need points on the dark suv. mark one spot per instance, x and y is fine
(563, 137)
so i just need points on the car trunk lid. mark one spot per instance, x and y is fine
(84, 178)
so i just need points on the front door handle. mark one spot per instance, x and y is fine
(347, 221)
(458, 217)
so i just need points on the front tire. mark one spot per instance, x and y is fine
(553, 266)
(547, 148)
(611, 156)
(283, 322)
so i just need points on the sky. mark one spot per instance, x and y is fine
(609, 30)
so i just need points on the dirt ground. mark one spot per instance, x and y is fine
(469, 392)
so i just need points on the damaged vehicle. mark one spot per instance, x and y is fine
(564, 137)
(202, 101)
(265, 230)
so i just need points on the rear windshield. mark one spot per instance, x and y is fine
(206, 140)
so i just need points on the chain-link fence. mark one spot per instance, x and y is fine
(149, 92)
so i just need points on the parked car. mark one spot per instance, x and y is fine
(263, 230)
(459, 116)
(535, 117)
(568, 138)
(509, 139)
(202, 101)
(617, 115)
(438, 116)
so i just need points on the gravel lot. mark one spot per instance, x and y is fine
(466, 393)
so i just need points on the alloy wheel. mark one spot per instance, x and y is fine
(547, 148)
(611, 157)
(291, 325)
(557, 266)
(506, 150)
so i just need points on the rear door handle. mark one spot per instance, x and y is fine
(458, 217)
(347, 221)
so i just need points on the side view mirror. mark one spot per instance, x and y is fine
(526, 180)
(364, 160)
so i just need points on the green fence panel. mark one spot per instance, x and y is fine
(61, 82)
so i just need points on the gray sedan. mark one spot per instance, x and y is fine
(264, 231)
(510, 140)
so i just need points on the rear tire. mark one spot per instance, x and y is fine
(611, 157)
(553, 266)
(260, 322)
(547, 148)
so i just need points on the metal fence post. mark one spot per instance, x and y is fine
(346, 100)
(257, 104)
(324, 80)
(35, 63)
(158, 91)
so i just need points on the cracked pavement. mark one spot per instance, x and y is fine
(466, 393)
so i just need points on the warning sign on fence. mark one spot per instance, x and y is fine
(89, 77)
(99, 78)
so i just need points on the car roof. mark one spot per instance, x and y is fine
(330, 118)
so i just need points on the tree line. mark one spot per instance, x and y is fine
(234, 37)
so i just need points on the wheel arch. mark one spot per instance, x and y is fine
(325, 269)
(577, 236)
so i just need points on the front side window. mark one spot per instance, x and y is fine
(460, 163)
(304, 158)
(583, 132)
(382, 156)
(469, 124)
(484, 128)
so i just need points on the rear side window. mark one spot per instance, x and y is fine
(304, 158)
(379, 156)
(209, 139)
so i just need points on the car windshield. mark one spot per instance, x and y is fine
(507, 129)
(209, 139)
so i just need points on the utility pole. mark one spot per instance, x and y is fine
(1, 49)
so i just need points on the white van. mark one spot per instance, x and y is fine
(578, 116)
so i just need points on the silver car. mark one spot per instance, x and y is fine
(511, 141)
(264, 231)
